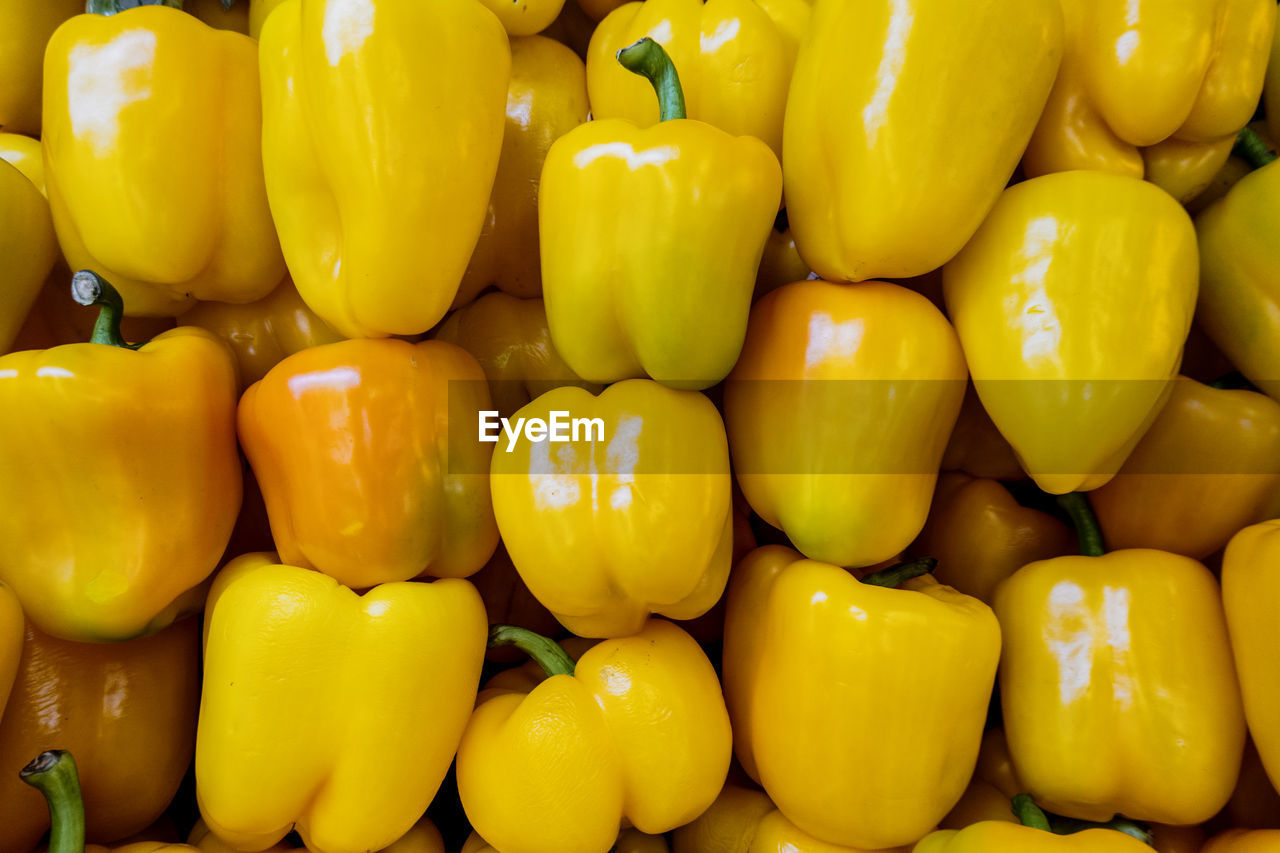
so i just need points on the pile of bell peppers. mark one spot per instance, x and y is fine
(919, 369)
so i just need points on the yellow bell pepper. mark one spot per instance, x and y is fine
(977, 448)
(262, 333)
(1239, 286)
(743, 820)
(1118, 688)
(546, 98)
(153, 155)
(510, 339)
(1001, 837)
(27, 155)
(1250, 593)
(28, 246)
(994, 784)
(629, 841)
(380, 152)
(858, 708)
(651, 239)
(712, 45)
(870, 191)
(1271, 88)
(120, 533)
(1244, 841)
(217, 14)
(422, 838)
(10, 642)
(128, 712)
(23, 38)
(781, 263)
(1185, 169)
(980, 535)
(1072, 303)
(525, 17)
(636, 730)
(639, 505)
(368, 462)
(838, 410)
(1208, 466)
(258, 11)
(314, 703)
(1139, 74)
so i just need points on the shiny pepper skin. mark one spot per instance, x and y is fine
(639, 731)
(870, 192)
(734, 64)
(27, 29)
(1001, 837)
(127, 711)
(1118, 688)
(838, 412)
(651, 239)
(140, 504)
(1250, 595)
(262, 333)
(316, 702)
(546, 98)
(1240, 276)
(1072, 302)
(1137, 74)
(28, 246)
(1185, 169)
(609, 528)
(153, 158)
(525, 17)
(510, 339)
(1208, 466)
(858, 708)
(980, 535)
(422, 838)
(365, 474)
(377, 232)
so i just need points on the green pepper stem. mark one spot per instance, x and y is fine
(1250, 147)
(545, 651)
(1076, 505)
(53, 774)
(112, 7)
(1028, 813)
(896, 575)
(647, 58)
(1070, 826)
(89, 289)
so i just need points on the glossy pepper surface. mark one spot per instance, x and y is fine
(368, 460)
(636, 731)
(546, 98)
(510, 339)
(839, 408)
(422, 838)
(378, 232)
(28, 245)
(623, 521)
(1239, 278)
(22, 42)
(1208, 466)
(1118, 688)
(1250, 592)
(152, 140)
(712, 45)
(128, 712)
(147, 486)
(1185, 169)
(314, 702)
(809, 648)
(262, 333)
(980, 535)
(651, 239)
(869, 191)
(1137, 74)
(1001, 837)
(1072, 302)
